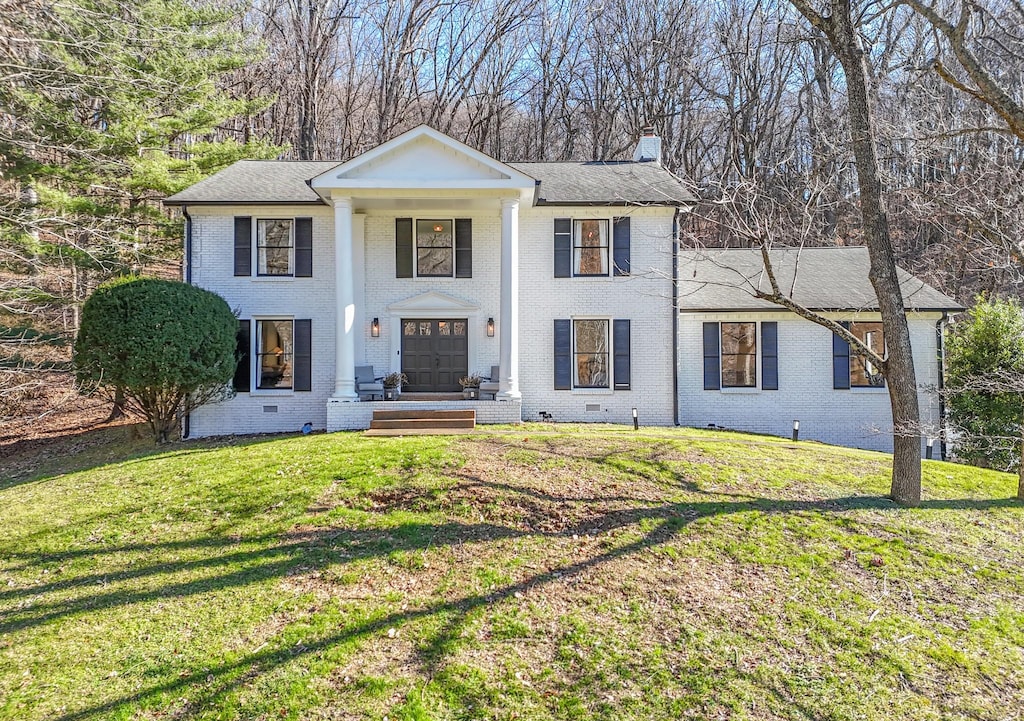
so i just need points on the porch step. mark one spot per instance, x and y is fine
(411, 422)
(460, 413)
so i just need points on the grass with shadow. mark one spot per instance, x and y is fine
(512, 575)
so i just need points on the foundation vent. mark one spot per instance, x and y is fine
(593, 408)
(270, 409)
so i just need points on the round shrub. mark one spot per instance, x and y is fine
(167, 346)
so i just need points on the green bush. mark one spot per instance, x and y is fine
(985, 383)
(167, 346)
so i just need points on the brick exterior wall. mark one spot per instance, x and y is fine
(858, 417)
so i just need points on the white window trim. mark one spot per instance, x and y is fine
(254, 366)
(416, 250)
(256, 275)
(587, 390)
(608, 261)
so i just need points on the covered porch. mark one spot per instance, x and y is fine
(408, 314)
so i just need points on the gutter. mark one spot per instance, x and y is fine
(675, 317)
(186, 422)
(940, 356)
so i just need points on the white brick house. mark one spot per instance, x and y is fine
(426, 257)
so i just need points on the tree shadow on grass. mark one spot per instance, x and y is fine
(232, 563)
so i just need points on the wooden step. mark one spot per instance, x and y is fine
(399, 432)
(461, 414)
(416, 423)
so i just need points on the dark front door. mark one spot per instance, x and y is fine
(434, 354)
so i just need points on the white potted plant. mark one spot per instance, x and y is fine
(392, 383)
(470, 386)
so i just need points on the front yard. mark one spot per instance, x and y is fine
(541, 572)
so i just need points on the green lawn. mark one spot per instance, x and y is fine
(541, 572)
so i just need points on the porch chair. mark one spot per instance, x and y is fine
(492, 385)
(367, 384)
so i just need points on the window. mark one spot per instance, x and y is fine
(590, 353)
(274, 246)
(434, 248)
(274, 354)
(590, 247)
(739, 355)
(863, 373)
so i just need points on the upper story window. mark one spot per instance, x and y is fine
(283, 247)
(590, 247)
(275, 246)
(435, 248)
(863, 373)
(739, 355)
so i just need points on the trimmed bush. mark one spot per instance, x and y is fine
(169, 347)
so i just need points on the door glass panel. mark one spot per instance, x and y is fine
(409, 328)
(425, 328)
(444, 327)
(460, 327)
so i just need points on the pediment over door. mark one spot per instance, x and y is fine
(433, 303)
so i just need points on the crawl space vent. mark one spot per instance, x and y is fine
(270, 409)
(593, 407)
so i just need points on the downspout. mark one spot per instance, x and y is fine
(940, 356)
(186, 424)
(675, 317)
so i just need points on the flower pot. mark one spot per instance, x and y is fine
(391, 394)
(471, 394)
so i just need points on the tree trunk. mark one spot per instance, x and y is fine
(843, 36)
(117, 411)
(1020, 469)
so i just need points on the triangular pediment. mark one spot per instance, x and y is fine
(433, 302)
(422, 157)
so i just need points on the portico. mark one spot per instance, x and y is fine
(434, 206)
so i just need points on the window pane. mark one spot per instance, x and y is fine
(862, 371)
(274, 353)
(273, 247)
(460, 327)
(590, 251)
(425, 328)
(409, 328)
(434, 247)
(444, 328)
(591, 352)
(739, 355)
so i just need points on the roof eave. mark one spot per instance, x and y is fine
(170, 202)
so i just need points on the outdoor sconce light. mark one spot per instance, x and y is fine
(375, 328)
(636, 420)
(490, 327)
(796, 430)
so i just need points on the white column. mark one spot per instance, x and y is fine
(345, 307)
(509, 329)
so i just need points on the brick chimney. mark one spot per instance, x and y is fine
(649, 147)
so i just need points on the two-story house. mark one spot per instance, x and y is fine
(428, 258)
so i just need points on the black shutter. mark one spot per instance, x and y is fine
(302, 357)
(303, 247)
(620, 245)
(563, 355)
(563, 248)
(840, 361)
(243, 369)
(463, 248)
(620, 347)
(770, 356)
(403, 247)
(243, 245)
(712, 360)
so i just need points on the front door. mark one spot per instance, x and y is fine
(434, 354)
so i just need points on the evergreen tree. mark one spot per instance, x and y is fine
(106, 106)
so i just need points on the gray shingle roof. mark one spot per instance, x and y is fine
(279, 181)
(257, 182)
(605, 183)
(826, 279)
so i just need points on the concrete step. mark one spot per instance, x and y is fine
(413, 424)
(461, 414)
